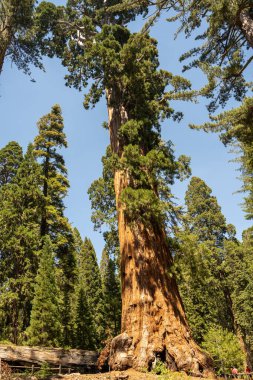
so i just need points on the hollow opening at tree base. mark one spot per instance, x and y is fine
(122, 353)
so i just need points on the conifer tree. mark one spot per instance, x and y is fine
(45, 326)
(55, 185)
(19, 242)
(90, 281)
(47, 144)
(204, 264)
(204, 216)
(23, 24)
(11, 157)
(111, 295)
(84, 326)
(236, 130)
(124, 67)
(238, 266)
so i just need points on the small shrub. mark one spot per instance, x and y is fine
(224, 348)
(44, 371)
(160, 368)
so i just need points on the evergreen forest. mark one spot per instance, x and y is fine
(173, 283)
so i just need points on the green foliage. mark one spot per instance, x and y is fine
(160, 368)
(45, 325)
(17, 40)
(84, 326)
(204, 217)
(89, 280)
(44, 371)
(20, 201)
(224, 348)
(223, 36)
(236, 129)
(11, 157)
(200, 262)
(47, 145)
(111, 295)
(200, 285)
(239, 265)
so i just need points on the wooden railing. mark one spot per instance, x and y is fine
(241, 375)
(33, 368)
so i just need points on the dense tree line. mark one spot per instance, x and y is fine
(52, 291)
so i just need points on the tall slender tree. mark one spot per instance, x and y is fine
(90, 282)
(45, 324)
(19, 242)
(111, 295)
(206, 286)
(84, 325)
(11, 157)
(47, 145)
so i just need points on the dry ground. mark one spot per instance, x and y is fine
(132, 375)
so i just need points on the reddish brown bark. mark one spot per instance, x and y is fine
(247, 26)
(5, 38)
(153, 319)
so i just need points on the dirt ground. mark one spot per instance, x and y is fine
(130, 374)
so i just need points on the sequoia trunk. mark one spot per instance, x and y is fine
(5, 39)
(153, 319)
(247, 26)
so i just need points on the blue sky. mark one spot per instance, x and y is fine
(23, 102)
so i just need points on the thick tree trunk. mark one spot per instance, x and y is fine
(247, 26)
(237, 330)
(153, 320)
(5, 35)
(5, 39)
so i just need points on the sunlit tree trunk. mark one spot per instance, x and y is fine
(153, 319)
(5, 39)
(247, 26)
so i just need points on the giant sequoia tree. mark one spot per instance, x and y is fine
(124, 67)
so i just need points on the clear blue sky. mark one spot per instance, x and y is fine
(23, 102)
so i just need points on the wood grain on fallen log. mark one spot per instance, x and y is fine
(11, 353)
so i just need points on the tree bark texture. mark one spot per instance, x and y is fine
(5, 39)
(153, 319)
(5, 33)
(247, 26)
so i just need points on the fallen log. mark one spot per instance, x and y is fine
(58, 356)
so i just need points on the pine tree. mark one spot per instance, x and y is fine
(11, 157)
(47, 144)
(84, 327)
(111, 295)
(49, 140)
(90, 282)
(205, 285)
(45, 326)
(204, 216)
(19, 242)
(239, 269)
